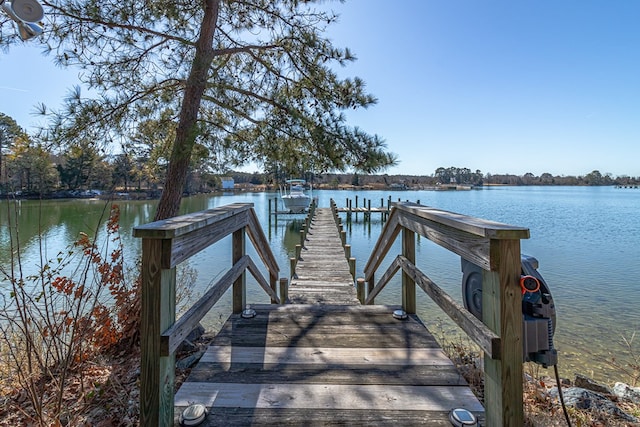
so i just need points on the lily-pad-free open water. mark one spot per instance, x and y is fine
(586, 239)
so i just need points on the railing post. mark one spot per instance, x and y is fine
(347, 251)
(292, 267)
(158, 313)
(284, 290)
(370, 285)
(360, 290)
(408, 284)
(239, 286)
(273, 279)
(352, 267)
(502, 313)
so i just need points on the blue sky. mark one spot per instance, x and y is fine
(499, 86)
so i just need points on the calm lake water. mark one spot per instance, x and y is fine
(586, 239)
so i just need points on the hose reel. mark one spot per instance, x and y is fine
(538, 308)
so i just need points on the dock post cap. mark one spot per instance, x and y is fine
(193, 415)
(461, 417)
(400, 314)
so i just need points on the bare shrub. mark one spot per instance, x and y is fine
(53, 323)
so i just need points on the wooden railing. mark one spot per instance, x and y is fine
(496, 248)
(165, 244)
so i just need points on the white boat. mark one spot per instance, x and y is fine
(294, 199)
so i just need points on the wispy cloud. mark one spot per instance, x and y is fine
(15, 89)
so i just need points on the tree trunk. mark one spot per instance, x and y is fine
(186, 132)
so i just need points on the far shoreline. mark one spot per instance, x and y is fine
(154, 194)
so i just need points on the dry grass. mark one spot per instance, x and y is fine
(541, 410)
(97, 394)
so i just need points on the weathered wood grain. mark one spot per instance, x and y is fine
(384, 243)
(419, 375)
(338, 397)
(322, 273)
(324, 359)
(478, 226)
(236, 417)
(238, 251)
(186, 245)
(298, 365)
(496, 248)
(468, 245)
(177, 226)
(386, 277)
(157, 372)
(259, 240)
(164, 245)
(477, 331)
(408, 282)
(502, 313)
(174, 335)
(268, 288)
(331, 356)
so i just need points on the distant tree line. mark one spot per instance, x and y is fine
(466, 176)
(28, 167)
(441, 175)
(31, 168)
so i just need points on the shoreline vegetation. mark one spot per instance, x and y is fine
(443, 179)
(154, 194)
(70, 356)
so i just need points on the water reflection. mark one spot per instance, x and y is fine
(587, 241)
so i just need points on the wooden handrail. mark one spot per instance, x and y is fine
(386, 278)
(165, 244)
(383, 245)
(259, 240)
(178, 332)
(477, 226)
(491, 245)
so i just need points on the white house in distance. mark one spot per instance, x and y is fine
(227, 183)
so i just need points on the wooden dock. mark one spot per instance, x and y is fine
(323, 359)
(322, 274)
(310, 365)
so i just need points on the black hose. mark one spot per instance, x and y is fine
(564, 408)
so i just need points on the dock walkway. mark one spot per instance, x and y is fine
(322, 272)
(323, 359)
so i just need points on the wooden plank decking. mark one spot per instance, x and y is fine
(322, 272)
(327, 361)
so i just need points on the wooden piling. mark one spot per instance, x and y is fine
(292, 267)
(284, 290)
(360, 289)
